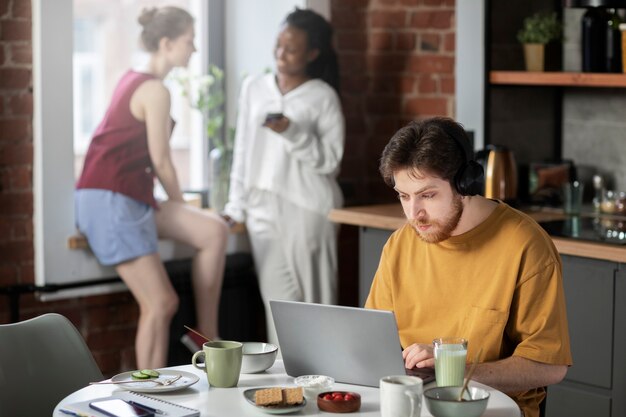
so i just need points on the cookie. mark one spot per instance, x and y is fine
(268, 396)
(292, 396)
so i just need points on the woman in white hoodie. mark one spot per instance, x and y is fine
(283, 182)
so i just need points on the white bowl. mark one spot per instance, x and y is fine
(257, 357)
(314, 384)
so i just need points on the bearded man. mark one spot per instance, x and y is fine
(467, 266)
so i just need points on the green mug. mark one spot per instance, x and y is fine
(222, 362)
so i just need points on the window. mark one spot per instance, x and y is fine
(72, 86)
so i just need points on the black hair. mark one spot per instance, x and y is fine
(319, 36)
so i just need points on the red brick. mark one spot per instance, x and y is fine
(435, 2)
(430, 42)
(21, 104)
(16, 154)
(448, 85)
(22, 9)
(405, 41)
(349, 19)
(14, 130)
(27, 272)
(351, 41)
(427, 106)
(355, 125)
(407, 84)
(2, 106)
(21, 53)
(4, 8)
(352, 63)
(2, 54)
(8, 274)
(111, 339)
(21, 251)
(436, 19)
(16, 204)
(349, 4)
(20, 178)
(427, 84)
(15, 30)
(14, 78)
(385, 125)
(411, 3)
(380, 41)
(354, 83)
(449, 42)
(383, 104)
(22, 229)
(385, 85)
(385, 3)
(386, 63)
(432, 64)
(383, 19)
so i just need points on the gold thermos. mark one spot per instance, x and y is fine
(500, 172)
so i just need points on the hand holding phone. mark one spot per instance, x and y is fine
(119, 408)
(277, 122)
(273, 116)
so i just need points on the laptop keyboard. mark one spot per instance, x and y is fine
(427, 374)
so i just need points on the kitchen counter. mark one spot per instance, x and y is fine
(391, 217)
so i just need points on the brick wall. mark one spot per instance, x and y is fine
(397, 61)
(397, 64)
(108, 322)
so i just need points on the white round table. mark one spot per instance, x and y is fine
(227, 402)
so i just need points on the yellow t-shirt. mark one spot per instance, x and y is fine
(498, 285)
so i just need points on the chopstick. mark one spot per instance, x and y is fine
(196, 332)
(469, 374)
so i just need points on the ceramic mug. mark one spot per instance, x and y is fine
(222, 362)
(401, 396)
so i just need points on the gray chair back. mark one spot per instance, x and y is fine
(42, 360)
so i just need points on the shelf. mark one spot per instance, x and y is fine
(564, 79)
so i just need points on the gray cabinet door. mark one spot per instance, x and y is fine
(589, 294)
(619, 353)
(566, 401)
(371, 242)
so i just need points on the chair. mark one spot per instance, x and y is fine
(42, 360)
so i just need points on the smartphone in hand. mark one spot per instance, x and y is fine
(273, 116)
(119, 408)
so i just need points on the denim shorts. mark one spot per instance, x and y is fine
(118, 228)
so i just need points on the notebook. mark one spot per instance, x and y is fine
(353, 345)
(169, 409)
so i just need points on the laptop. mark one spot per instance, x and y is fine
(353, 345)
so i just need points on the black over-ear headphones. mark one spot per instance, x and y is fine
(470, 178)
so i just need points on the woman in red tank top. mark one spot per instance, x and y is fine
(116, 209)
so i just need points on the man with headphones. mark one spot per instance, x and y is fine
(466, 266)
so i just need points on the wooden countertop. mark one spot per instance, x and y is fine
(391, 217)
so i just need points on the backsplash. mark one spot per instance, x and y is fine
(594, 122)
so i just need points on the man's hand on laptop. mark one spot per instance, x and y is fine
(418, 355)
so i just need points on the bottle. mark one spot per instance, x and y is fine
(594, 24)
(613, 54)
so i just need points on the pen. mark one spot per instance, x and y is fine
(73, 413)
(145, 407)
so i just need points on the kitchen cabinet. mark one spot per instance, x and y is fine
(595, 293)
(535, 114)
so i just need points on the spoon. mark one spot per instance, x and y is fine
(198, 333)
(469, 374)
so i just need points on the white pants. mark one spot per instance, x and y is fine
(294, 251)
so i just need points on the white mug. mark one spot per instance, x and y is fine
(401, 396)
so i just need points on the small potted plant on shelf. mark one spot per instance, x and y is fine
(538, 30)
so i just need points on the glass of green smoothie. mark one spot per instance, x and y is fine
(450, 357)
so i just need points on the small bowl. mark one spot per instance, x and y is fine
(339, 405)
(442, 402)
(314, 384)
(257, 357)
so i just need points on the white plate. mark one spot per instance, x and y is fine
(187, 379)
(249, 394)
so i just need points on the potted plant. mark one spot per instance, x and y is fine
(537, 31)
(206, 94)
